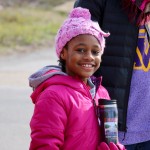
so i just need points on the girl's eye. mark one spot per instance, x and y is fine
(96, 52)
(80, 50)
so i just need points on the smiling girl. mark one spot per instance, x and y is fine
(64, 117)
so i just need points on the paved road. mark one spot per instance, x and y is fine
(16, 107)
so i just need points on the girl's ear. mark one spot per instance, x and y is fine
(63, 54)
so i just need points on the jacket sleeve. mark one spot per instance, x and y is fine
(48, 123)
(96, 8)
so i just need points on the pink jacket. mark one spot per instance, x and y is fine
(64, 116)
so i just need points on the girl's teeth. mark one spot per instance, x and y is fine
(87, 65)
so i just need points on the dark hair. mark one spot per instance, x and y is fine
(62, 62)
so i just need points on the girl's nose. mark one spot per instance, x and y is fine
(88, 55)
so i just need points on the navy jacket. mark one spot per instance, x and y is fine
(117, 61)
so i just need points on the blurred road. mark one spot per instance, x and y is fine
(16, 107)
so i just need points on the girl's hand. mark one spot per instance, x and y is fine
(112, 146)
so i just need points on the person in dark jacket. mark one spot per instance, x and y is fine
(125, 64)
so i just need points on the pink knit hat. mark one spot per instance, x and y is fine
(78, 22)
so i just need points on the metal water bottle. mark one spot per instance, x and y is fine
(108, 119)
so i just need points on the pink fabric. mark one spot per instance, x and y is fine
(143, 4)
(78, 22)
(112, 146)
(64, 116)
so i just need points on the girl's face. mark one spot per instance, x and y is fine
(82, 56)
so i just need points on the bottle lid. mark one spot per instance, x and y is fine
(107, 102)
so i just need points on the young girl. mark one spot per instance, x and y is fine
(64, 96)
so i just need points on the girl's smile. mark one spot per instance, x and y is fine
(82, 56)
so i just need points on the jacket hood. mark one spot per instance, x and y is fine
(43, 74)
(52, 75)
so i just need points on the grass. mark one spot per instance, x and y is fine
(28, 27)
(37, 3)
